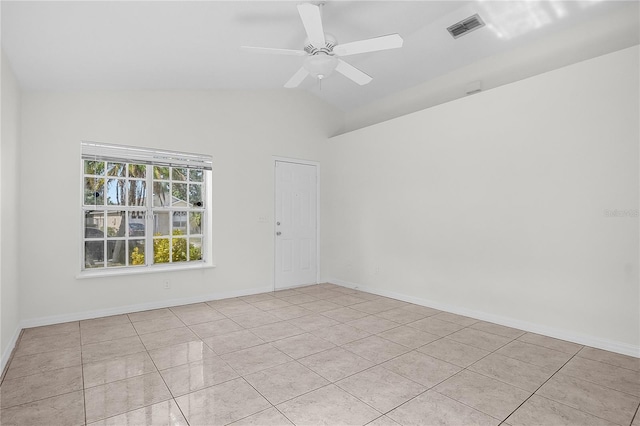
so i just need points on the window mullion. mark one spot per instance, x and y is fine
(149, 254)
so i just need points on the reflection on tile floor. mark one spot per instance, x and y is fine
(322, 354)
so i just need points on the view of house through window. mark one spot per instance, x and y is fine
(142, 213)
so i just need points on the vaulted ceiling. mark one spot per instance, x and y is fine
(104, 45)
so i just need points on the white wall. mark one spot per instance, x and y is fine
(494, 204)
(242, 130)
(9, 154)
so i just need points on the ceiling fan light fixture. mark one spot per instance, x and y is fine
(320, 65)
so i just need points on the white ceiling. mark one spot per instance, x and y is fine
(90, 45)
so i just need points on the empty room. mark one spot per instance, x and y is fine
(320, 213)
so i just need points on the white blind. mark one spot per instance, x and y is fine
(131, 154)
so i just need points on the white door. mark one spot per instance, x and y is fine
(295, 224)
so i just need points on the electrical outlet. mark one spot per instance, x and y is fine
(167, 285)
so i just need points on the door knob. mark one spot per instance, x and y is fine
(278, 233)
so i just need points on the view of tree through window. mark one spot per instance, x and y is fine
(125, 225)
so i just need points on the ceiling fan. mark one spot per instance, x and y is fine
(322, 50)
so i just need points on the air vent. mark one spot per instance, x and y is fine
(466, 26)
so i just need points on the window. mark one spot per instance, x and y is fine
(143, 208)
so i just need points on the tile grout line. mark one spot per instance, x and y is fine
(173, 398)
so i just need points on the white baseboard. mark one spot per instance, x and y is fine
(596, 342)
(7, 352)
(78, 316)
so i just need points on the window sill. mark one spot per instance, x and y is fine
(116, 272)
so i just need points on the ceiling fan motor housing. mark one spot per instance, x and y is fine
(327, 49)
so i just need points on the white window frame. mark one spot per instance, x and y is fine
(150, 157)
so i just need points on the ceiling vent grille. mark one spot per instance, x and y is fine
(466, 26)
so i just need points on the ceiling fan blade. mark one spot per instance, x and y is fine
(312, 21)
(391, 41)
(270, 50)
(297, 78)
(353, 73)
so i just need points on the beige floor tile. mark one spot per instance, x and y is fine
(320, 306)
(269, 417)
(454, 352)
(159, 324)
(42, 362)
(168, 337)
(151, 315)
(215, 328)
(112, 349)
(498, 329)
(421, 368)
(38, 344)
(383, 421)
(594, 399)
(100, 373)
(252, 298)
(346, 300)
(323, 294)
(284, 382)
(197, 375)
(636, 419)
(302, 345)
(105, 332)
(182, 353)
(408, 336)
(381, 388)
(619, 360)
(375, 349)
(23, 390)
(335, 364)
(125, 395)
(255, 359)
(534, 354)
(490, 396)
(422, 310)
(517, 373)
(313, 322)
(479, 339)
(289, 292)
(234, 301)
(456, 319)
(255, 319)
(340, 334)
(402, 315)
(607, 375)
(273, 303)
(299, 298)
(196, 314)
(67, 409)
(378, 305)
(373, 324)
(237, 309)
(232, 342)
(538, 411)
(50, 330)
(165, 413)
(102, 321)
(233, 400)
(344, 314)
(290, 312)
(329, 405)
(366, 296)
(551, 343)
(276, 331)
(440, 410)
(435, 326)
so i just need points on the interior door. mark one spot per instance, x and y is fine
(295, 224)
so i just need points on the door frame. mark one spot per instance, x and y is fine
(276, 159)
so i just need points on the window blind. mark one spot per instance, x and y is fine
(109, 152)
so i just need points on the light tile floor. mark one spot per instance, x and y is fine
(321, 354)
